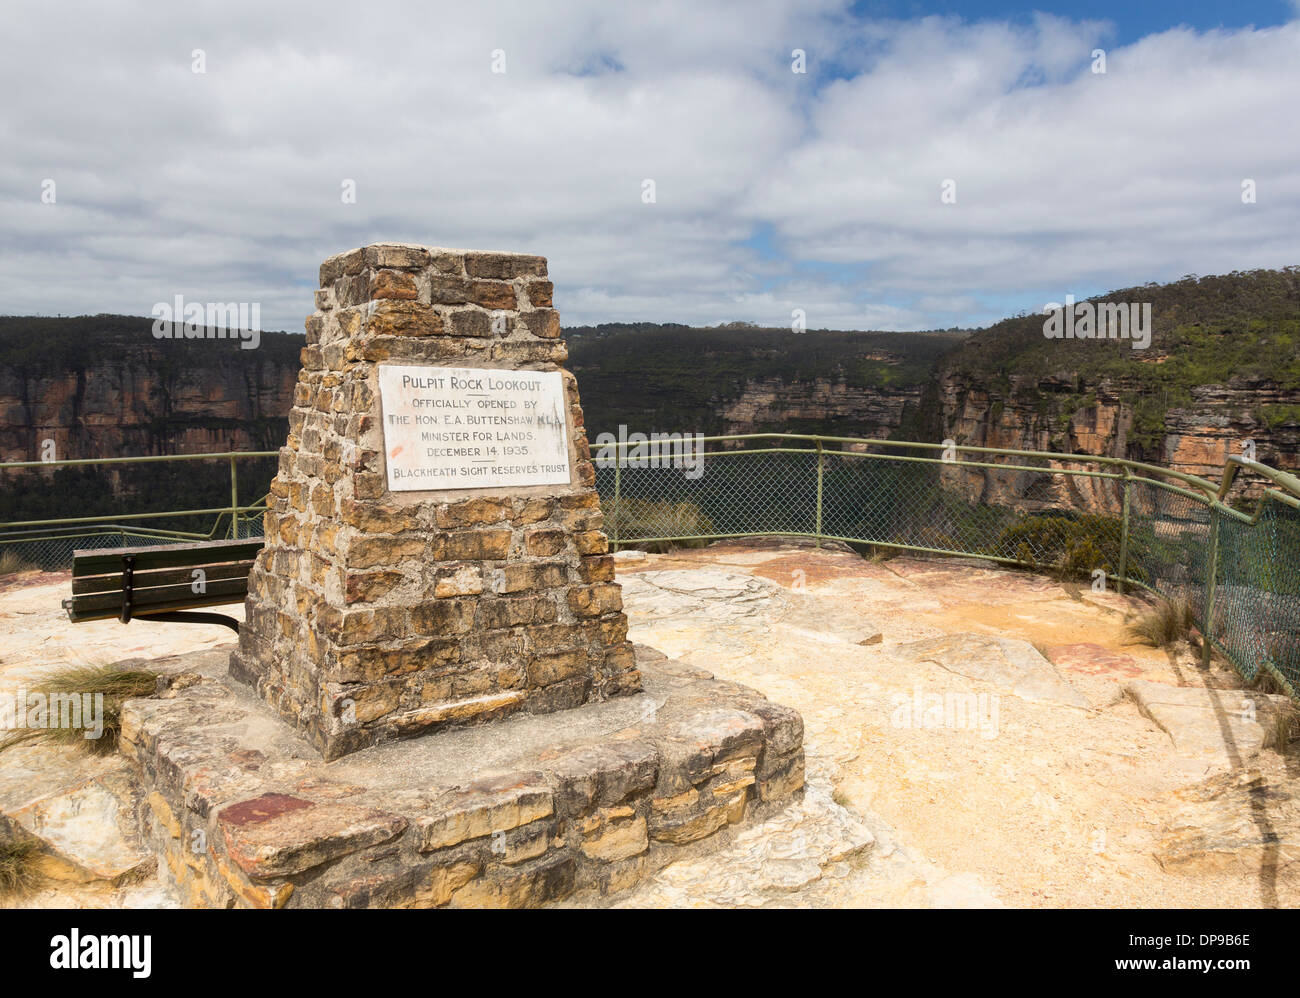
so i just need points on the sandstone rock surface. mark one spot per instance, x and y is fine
(1063, 807)
(1008, 664)
(1227, 727)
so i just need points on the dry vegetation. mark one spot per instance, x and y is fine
(11, 563)
(19, 873)
(116, 685)
(1165, 624)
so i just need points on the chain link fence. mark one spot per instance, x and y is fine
(1131, 524)
(1256, 592)
(1011, 512)
(52, 551)
(134, 502)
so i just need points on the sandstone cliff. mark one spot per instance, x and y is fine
(1222, 370)
(1062, 415)
(841, 409)
(119, 392)
(102, 386)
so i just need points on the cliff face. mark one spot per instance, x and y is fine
(103, 386)
(1202, 436)
(1044, 416)
(131, 395)
(719, 381)
(1068, 415)
(767, 404)
(1223, 368)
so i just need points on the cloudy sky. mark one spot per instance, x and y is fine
(773, 190)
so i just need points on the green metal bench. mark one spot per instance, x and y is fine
(161, 582)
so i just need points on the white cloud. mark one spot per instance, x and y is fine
(225, 186)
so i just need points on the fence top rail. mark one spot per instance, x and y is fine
(1234, 463)
(70, 462)
(1206, 486)
(1288, 482)
(71, 520)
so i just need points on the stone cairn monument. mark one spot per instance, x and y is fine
(434, 552)
(434, 614)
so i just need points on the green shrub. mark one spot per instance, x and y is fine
(634, 518)
(1072, 545)
(1274, 416)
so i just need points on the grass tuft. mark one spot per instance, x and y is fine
(1165, 624)
(116, 685)
(19, 872)
(11, 563)
(1286, 719)
(1286, 727)
(1266, 682)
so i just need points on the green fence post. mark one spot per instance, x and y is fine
(1123, 539)
(1207, 625)
(234, 501)
(821, 462)
(618, 482)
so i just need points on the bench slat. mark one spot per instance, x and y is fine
(77, 616)
(159, 577)
(159, 598)
(102, 561)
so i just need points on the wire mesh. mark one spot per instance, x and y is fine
(53, 552)
(1239, 574)
(1169, 534)
(1008, 514)
(1070, 516)
(1257, 593)
(126, 502)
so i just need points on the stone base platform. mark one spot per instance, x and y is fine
(243, 813)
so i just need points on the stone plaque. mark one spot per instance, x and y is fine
(472, 428)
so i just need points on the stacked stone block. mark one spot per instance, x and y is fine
(238, 821)
(373, 615)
